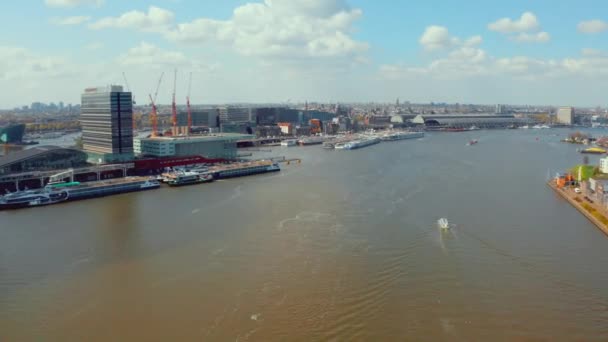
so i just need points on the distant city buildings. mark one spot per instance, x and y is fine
(107, 124)
(500, 109)
(565, 115)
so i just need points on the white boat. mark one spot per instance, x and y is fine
(401, 136)
(443, 223)
(525, 127)
(289, 142)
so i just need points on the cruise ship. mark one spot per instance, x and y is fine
(401, 136)
(72, 191)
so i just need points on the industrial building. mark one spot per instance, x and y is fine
(107, 124)
(209, 146)
(565, 115)
(42, 158)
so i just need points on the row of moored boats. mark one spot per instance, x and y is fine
(60, 191)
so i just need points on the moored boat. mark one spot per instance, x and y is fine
(189, 178)
(71, 191)
(289, 142)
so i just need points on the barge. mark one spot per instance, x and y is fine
(243, 169)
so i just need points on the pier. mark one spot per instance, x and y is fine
(592, 211)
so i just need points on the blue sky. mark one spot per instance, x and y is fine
(519, 52)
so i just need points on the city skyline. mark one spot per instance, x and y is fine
(325, 51)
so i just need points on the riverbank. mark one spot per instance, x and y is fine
(592, 211)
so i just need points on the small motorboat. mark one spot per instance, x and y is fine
(472, 142)
(443, 223)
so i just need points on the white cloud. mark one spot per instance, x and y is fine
(273, 28)
(466, 63)
(473, 41)
(589, 52)
(147, 55)
(592, 26)
(526, 23)
(540, 37)
(438, 38)
(155, 20)
(18, 63)
(75, 20)
(526, 29)
(72, 3)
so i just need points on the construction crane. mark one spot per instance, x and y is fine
(173, 105)
(154, 113)
(188, 104)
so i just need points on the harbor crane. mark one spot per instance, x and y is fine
(154, 113)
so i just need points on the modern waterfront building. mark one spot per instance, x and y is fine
(12, 134)
(107, 124)
(42, 158)
(209, 146)
(565, 115)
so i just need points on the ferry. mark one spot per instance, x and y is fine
(243, 169)
(188, 178)
(32, 198)
(289, 142)
(401, 136)
(71, 191)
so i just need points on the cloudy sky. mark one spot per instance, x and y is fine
(470, 51)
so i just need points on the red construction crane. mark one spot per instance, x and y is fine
(188, 105)
(173, 105)
(154, 113)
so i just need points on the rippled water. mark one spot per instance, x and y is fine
(341, 247)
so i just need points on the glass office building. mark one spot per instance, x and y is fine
(107, 124)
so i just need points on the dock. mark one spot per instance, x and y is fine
(592, 211)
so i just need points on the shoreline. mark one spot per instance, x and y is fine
(570, 196)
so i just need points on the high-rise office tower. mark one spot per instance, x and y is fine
(107, 124)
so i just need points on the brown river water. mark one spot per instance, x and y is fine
(343, 247)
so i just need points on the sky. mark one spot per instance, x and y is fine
(285, 51)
